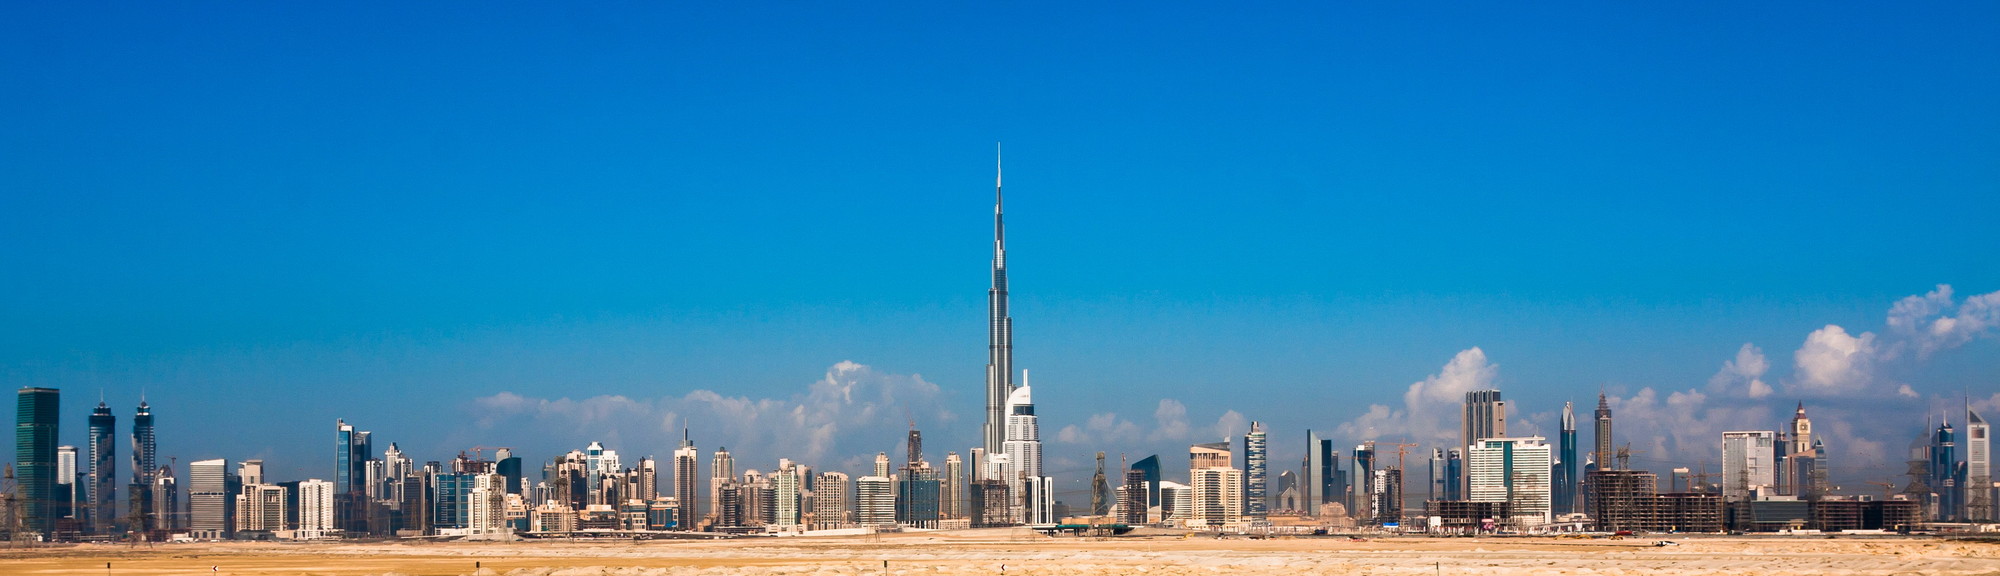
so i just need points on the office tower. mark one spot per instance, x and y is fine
(917, 497)
(1132, 506)
(165, 503)
(144, 449)
(1799, 463)
(687, 481)
(1023, 449)
(1747, 462)
(951, 488)
(507, 465)
(68, 490)
(1150, 466)
(646, 482)
(1255, 467)
(36, 420)
(1385, 493)
(1944, 464)
(830, 501)
(1511, 470)
(450, 494)
(261, 508)
(103, 489)
(486, 507)
(316, 510)
(788, 496)
(1485, 417)
(1454, 471)
(1437, 476)
(881, 464)
(875, 501)
(1216, 496)
(211, 494)
(1978, 469)
(1317, 472)
(721, 470)
(1564, 476)
(1602, 455)
(999, 335)
(1364, 471)
(351, 451)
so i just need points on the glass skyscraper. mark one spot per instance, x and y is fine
(103, 495)
(36, 418)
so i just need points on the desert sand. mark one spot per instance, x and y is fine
(1017, 552)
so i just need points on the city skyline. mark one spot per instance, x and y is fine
(1292, 227)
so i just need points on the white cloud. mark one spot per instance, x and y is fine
(1231, 425)
(1101, 428)
(851, 410)
(1171, 420)
(1432, 407)
(1743, 375)
(1831, 362)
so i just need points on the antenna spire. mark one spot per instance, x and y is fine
(996, 176)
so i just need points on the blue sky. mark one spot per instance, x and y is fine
(440, 222)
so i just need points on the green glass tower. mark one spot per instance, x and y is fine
(36, 413)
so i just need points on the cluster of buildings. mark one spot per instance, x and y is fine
(1487, 481)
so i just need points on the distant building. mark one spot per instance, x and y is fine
(1217, 487)
(1747, 462)
(1511, 470)
(316, 510)
(1359, 498)
(1564, 479)
(951, 488)
(1602, 454)
(721, 470)
(140, 492)
(830, 501)
(788, 495)
(1386, 496)
(1978, 468)
(1132, 506)
(211, 498)
(103, 486)
(1255, 469)
(875, 501)
(37, 413)
(687, 481)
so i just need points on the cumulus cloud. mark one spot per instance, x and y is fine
(1832, 362)
(1172, 421)
(852, 409)
(1231, 425)
(1099, 428)
(1743, 375)
(1432, 407)
(1933, 322)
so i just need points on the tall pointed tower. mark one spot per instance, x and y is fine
(999, 332)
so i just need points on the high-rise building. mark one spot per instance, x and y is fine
(1978, 469)
(1511, 470)
(875, 501)
(103, 492)
(1132, 506)
(788, 494)
(1216, 497)
(165, 503)
(1385, 492)
(211, 498)
(1602, 455)
(1317, 472)
(721, 470)
(1209, 455)
(1359, 498)
(69, 485)
(351, 450)
(1943, 467)
(1150, 466)
(951, 488)
(1799, 470)
(316, 510)
(36, 418)
(1024, 452)
(1564, 478)
(830, 501)
(917, 496)
(1748, 462)
(1485, 417)
(687, 481)
(144, 449)
(999, 334)
(1255, 468)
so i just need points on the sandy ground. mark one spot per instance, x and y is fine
(1019, 553)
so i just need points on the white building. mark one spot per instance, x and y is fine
(1217, 497)
(788, 486)
(1023, 468)
(315, 510)
(875, 501)
(486, 505)
(1978, 468)
(261, 508)
(1177, 501)
(830, 501)
(1749, 461)
(1512, 470)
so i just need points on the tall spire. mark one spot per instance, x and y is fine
(999, 331)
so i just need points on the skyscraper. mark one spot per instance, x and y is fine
(999, 334)
(687, 481)
(829, 501)
(1944, 464)
(103, 470)
(211, 498)
(69, 485)
(1150, 467)
(1217, 487)
(1798, 469)
(951, 489)
(1023, 449)
(1563, 478)
(351, 450)
(1316, 473)
(1978, 468)
(1512, 470)
(315, 510)
(143, 466)
(1255, 467)
(721, 471)
(1602, 455)
(1485, 416)
(1747, 462)
(1358, 498)
(36, 418)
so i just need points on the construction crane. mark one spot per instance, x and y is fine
(479, 452)
(1402, 451)
(1700, 478)
(1625, 456)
